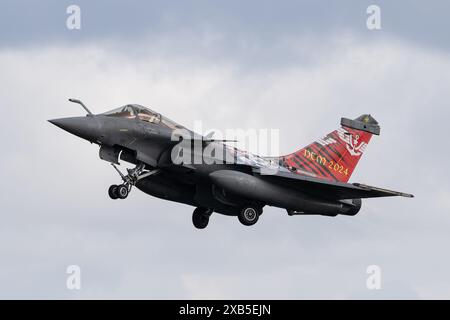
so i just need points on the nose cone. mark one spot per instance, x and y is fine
(83, 127)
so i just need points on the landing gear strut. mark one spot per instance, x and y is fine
(200, 217)
(129, 180)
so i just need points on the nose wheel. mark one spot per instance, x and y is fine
(119, 191)
(112, 192)
(134, 175)
(123, 190)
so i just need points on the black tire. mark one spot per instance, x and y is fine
(112, 192)
(122, 191)
(199, 218)
(260, 211)
(248, 216)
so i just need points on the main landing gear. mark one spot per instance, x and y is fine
(134, 175)
(200, 217)
(249, 215)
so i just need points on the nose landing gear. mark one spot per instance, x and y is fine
(119, 191)
(129, 180)
(112, 192)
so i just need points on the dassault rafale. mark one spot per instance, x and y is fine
(171, 163)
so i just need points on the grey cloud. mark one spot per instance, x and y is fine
(30, 23)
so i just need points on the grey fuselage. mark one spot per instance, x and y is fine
(223, 187)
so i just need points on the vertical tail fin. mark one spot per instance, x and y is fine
(335, 156)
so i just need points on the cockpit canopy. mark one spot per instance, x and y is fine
(133, 111)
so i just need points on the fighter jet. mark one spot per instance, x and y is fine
(177, 164)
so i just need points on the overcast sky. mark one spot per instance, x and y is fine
(296, 66)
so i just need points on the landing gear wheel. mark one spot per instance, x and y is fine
(200, 218)
(122, 191)
(129, 180)
(112, 192)
(248, 216)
